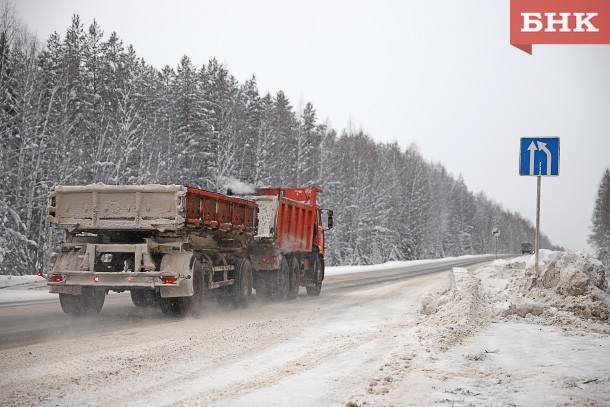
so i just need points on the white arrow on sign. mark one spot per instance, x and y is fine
(532, 148)
(542, 147)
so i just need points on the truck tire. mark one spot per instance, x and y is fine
(241, 290)
(265, 284)
(176, 307)
(274, 284)
(280, 291)
(179, 307)
(144, 298)
(197, 300)
(90, 302)
(314, 286)
(293, 279)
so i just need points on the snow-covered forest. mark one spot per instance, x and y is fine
(83, 107)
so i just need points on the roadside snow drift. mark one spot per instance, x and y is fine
(569, 286)
(568, 282)
(505, 334)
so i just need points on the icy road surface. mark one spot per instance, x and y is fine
(400, 336)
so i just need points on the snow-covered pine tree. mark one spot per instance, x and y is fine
(284, 128)
(600, 221)
(388, 175)
(250, 132)
(186, 123)
(95, 79)
(226, 105)
(264, 149)
(309, 138)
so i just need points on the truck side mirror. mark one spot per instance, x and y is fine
(330, 219)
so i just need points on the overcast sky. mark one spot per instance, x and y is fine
(440, 74)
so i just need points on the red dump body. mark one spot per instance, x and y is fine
(297, 225)
(215, 211)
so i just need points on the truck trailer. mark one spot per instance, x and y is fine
(176, 247)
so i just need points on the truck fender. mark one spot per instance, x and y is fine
(180, 264)
(66, 261)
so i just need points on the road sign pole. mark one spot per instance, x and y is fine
(534, 152)
(538, 182)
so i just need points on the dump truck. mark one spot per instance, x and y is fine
(175, 247)
(288, 250)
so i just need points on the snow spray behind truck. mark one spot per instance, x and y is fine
(176, 246)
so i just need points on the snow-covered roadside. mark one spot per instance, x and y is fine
(505, 335)
(23, 288)
(21, 282)
(391, 265)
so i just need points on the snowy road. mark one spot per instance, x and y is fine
(40, 320)
(306, 352)
(365, 341)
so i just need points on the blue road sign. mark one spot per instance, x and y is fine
(539, 156)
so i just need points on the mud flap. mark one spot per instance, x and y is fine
(178, 264)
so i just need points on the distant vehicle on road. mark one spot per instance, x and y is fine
(527, 248)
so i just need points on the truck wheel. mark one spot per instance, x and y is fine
(241, 290)
(315, 286)
(198, 297)
(265, 284)
(144, 298)
(90, 302)
(280, 292)
(293, 279)
(175, 306)
(179, 307)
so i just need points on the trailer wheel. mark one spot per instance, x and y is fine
(90, 302)
(144, 298)
(241, 290)
(293, 279)
(175, 306)
(197, 300)
(179, 307)
(315, 285)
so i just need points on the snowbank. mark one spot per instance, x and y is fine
(572, 282)
(23, 288)
(505, 334)
(571, 288)
(455, 313)
(528, 259)
(22, 282)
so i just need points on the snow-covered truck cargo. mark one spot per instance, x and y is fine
(166, 244)
(174, 246)
(288, 250)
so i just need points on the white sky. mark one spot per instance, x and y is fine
(439, 73)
